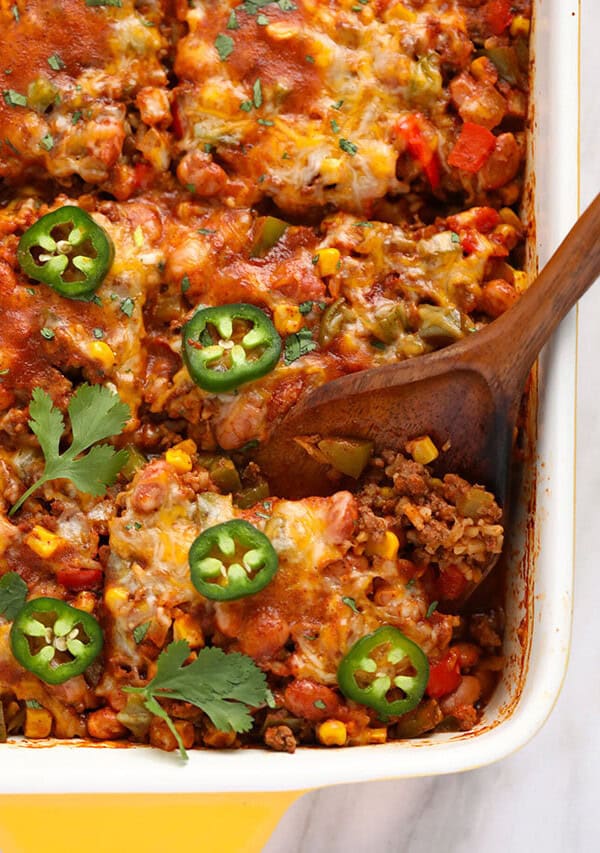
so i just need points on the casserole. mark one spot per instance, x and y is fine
(539, 586)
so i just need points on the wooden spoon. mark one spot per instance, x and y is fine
(466, 396)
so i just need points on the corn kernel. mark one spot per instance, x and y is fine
(400, 11)
(38, 722)
(386, 547)
(328, 261)
(179, 459)
(521, 281)
(376, 735)
(331, 170)
(186, 628)
(480, 67)
(422, 450)
(520, 26)
(101, 352)
(43, 541)
(332, 733)
(287, 319)
(85, 601)
(115, 596)
(281, 31)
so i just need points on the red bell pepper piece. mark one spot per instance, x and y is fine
(498, 15)
(451, 584)
(444, 676)
(78, 579)
(410, 127)
(473, 148)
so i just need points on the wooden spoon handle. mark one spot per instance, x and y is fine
(516, 338)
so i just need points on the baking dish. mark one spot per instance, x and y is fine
(540, 574)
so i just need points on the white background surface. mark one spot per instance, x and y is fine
(546, 797)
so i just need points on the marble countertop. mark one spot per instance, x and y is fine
(546, 796)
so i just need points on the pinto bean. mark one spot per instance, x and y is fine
(300, 696)
(497, 297)
(467, 693)
(198, 170)
(104, 725)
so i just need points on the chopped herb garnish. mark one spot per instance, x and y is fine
(246, 106)
(349, 147)
(4, 371)
(55, 62)
(285, 156)
(117, 3)
(455, 238)
(232, 23)
(315, 259)
(208, 147)
(363, 225)
(351, 603)
(265, 122)
(335, 126)
(410, 584)
(47, 142)
(185, 284)
(286, 5)
(338, 105)
(262, 20)
(127, 306)
(76, 116)
(251, 445)
(261, 178)
(306, 307)
(96, 299)
(98, 334)
(318, 703)
(297, 345)
(13, 594)
(206, 231)
(15, 12)
(309, 58)
(14, 99)
(47, 333)
(30, 291)
(33, 703)
(377, 344)
(224, 45)
(356, 8)
(191, 188)
(431, 609)
(257, 93)
(140, 631)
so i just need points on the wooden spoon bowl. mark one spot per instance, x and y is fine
(466, 396)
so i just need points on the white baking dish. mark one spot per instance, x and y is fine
(540, 579)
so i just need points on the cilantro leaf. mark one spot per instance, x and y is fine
(257, 93)
(140, 631)
(95, 413)
(224, 686)
(347, 146)
(431, 609)
(224, 45)
(297, 345)
(13, 593)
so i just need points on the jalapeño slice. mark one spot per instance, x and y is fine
(68, 251)
(232, 560)
(54, 640)
(228, 345)
(385, 671)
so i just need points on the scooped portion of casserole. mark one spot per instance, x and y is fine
(290, 590)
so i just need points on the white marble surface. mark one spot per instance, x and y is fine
(545, 797)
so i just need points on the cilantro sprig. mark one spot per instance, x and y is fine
(224, 686)
(95, 413)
